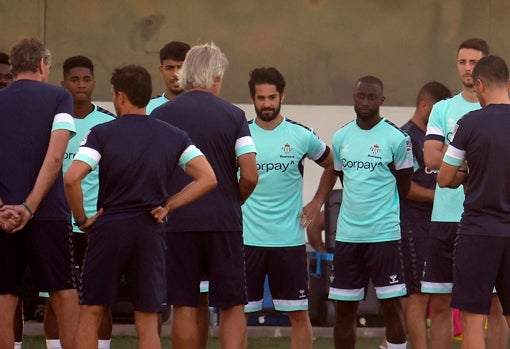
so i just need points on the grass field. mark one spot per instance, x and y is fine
(36, 342)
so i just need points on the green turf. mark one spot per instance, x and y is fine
(37, 342)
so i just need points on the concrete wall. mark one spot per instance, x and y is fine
(321, 46)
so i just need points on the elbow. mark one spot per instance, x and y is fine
(55, 161)
(431, 165)
(70, 184)
(441, 183)
(444, 182)
(68, 181)
(212, 183)
(251, 179)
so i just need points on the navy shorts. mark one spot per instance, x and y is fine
(45, 246)
(354, 264)
(414, 251)
(438, 271)
(481, 262)
(286, 268)
(80, 241)
(129, 244)
(216, 256)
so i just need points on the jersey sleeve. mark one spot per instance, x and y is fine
(244, 142)
(188, 154)
(317, 149)
(403, 157)
(63, 119)
(456, 153)
(435, 129)
(89, 151)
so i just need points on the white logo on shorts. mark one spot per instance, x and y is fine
(393, 279)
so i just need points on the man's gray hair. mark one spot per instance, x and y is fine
(26, 55)
(202, 66)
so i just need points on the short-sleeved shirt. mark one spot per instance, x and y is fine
(156, 102)
(31, 111)
(220, 130)
(89, 184)
(414, 211)
(482, 139)
(136, 155)
(370, 207)
(447, 205)
(270, 214)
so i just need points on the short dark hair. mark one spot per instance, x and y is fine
(370, 79)
(4, 58)
(135, 81)
(475, 44)
(78, 61)
(26, 55)
(175, 50)
(269, 76)
(491, 69)
(434, 90)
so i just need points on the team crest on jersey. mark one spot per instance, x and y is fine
(287, 148)
(375, 149)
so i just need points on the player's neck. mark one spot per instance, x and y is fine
(419, 121)
(469, 94)
(269, 125)
(29, 75)
(81, 110)
(170, 95)
(212, 90)
(498, 96)
(367, 124)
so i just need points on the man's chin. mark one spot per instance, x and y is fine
(177, 91)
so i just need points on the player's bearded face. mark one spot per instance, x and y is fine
(269, 113)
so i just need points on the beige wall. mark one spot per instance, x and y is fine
(321, 46)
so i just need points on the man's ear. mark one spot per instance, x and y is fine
(480, 86)
(42, 63)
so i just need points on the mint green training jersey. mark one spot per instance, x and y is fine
(89, 184)
(270, 215)
(155, 102)
(448, 203)
(370, 210)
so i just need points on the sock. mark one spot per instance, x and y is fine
(103, 343)
(17, 345)
(397, 346)
(53, 344)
